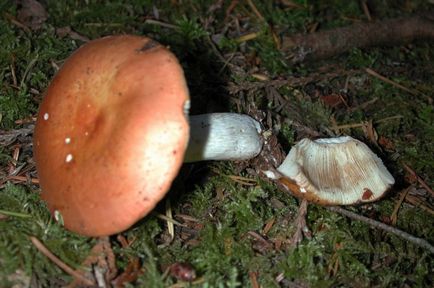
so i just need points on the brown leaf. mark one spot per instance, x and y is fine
(32, 14)
(67, 31)
(332, 100)
(386, 143)
(131, 273)
(10, 136)
(182, 271)
(370, 132)
(3, 217)
(101, 257)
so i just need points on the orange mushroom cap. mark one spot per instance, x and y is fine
(111, 133)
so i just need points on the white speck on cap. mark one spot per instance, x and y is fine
(69, 158)
(46, 116)
(67, 140)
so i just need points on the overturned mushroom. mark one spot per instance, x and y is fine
(112, 131)
(335, 171)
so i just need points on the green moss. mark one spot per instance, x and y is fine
(16, 250)
(271, 58)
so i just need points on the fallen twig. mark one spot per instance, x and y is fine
(360, 125)
(254, 279)
(255, 10)
(387, 80)
(417, 202)
(300, 224)
(402, 195)
(100, 264)
(410, 238)
(44, 250)
(420, 180)
(324, 44)
(23, 179)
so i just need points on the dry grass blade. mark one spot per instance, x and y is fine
(169, 220)
(247, 37)
(268, 225)
(187, 218)
(387, 80)
(360, 125)
(403, 194)
(23, 179)
(5, 214)
(255, 10)
(413, 200)
(300, 224)
(254, 279)
(243, 180)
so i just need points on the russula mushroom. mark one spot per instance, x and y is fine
(112, 131)
(335, 171)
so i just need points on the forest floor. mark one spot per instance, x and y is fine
(233, 228)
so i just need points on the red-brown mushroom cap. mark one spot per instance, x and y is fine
(111, 133)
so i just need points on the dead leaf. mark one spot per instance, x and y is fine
(386, 144)
(182, 271)
(369, 131)
(101, 258)
(332, 100)
(10, 136)
(32, 14)
(67, 31)
(131, 273)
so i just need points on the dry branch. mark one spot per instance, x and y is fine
(373, 223)
(324, 44)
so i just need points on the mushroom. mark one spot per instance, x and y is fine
(335, 171)
(223, 136)
(112, 131)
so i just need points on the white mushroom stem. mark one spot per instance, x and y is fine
(223, 136)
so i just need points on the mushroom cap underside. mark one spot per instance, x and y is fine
(335, 171)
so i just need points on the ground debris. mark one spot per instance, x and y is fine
(325, 44)
(32, 14)
(8, 137)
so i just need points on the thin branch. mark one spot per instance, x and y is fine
(387, 80)
(376, 224)
(327, 43)
(402, 195)
(44, 250)
(420, 180)
(255, 10)
(300, 223)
